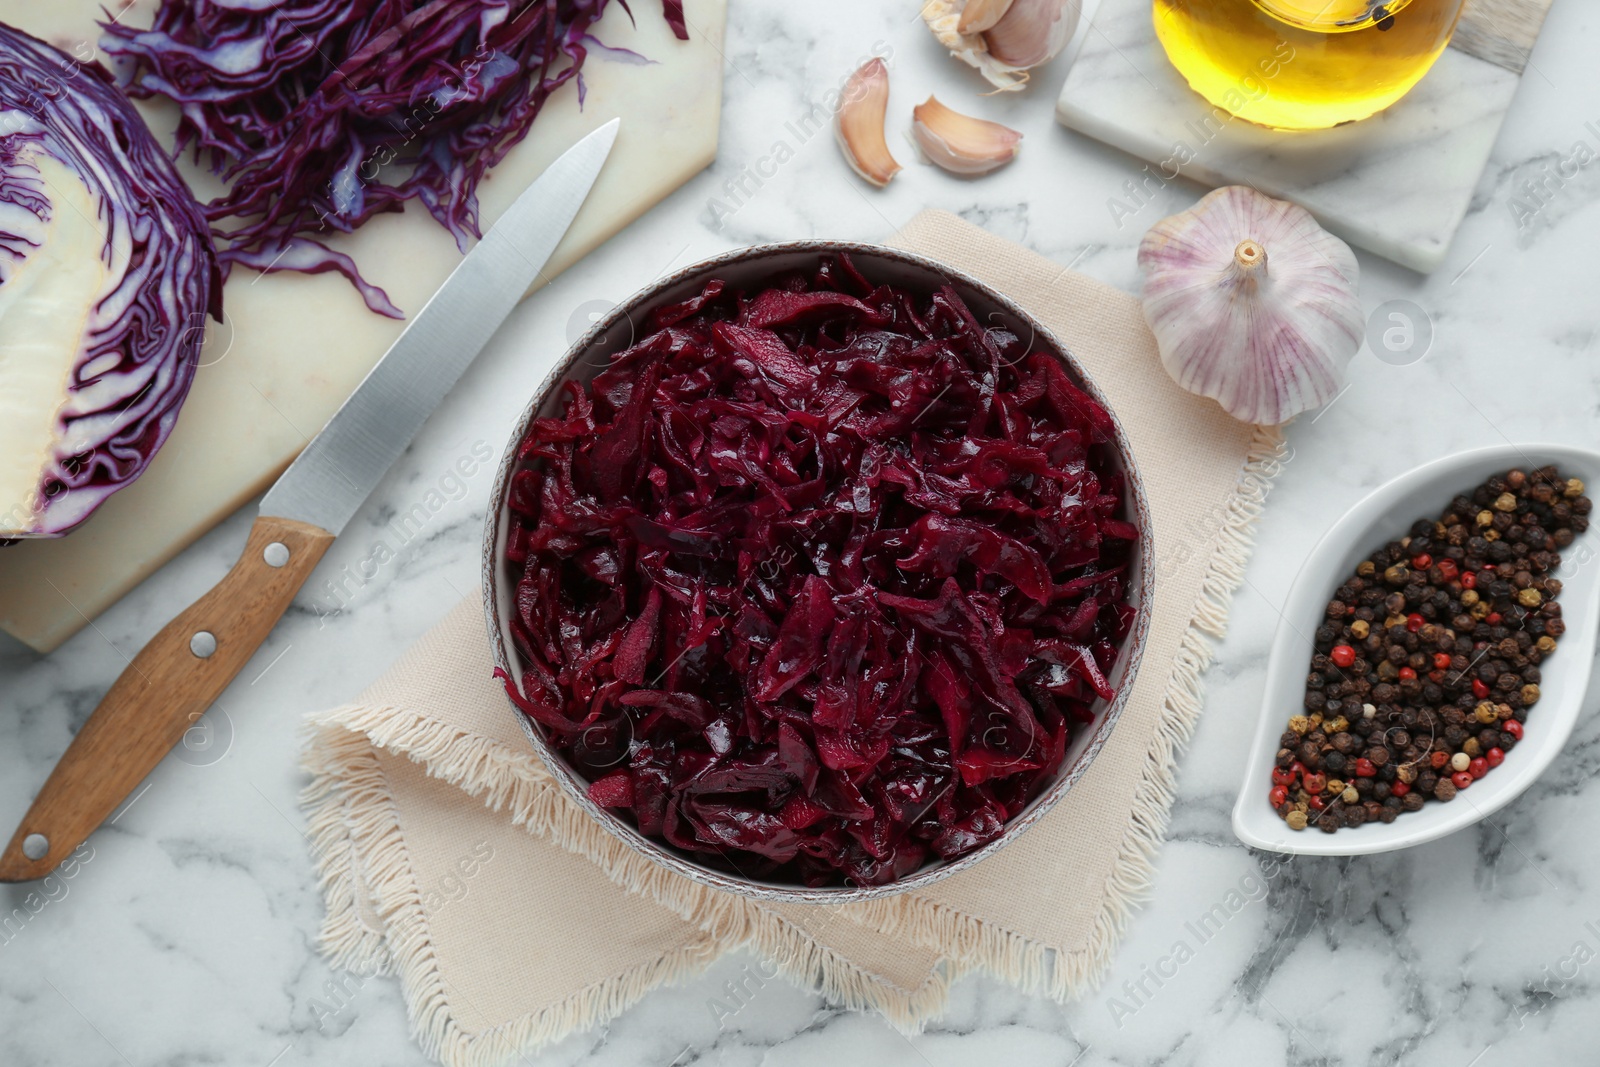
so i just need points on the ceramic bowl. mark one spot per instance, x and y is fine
(1384, 516)
(749, 267)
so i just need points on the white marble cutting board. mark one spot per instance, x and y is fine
(294, 346)
(1397, 184)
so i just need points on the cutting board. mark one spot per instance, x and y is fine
(1397, 184)
(294, 346)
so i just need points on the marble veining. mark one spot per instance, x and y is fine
(1423, 153)
(186, 934)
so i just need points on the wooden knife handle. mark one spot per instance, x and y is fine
(163, 692)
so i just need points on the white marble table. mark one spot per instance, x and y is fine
(188, 937)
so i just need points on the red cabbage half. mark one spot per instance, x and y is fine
(321, 114)
(107, 272)
(815, 583)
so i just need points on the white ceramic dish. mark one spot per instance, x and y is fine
(1384, 516)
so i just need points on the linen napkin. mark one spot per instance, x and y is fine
(450, 858)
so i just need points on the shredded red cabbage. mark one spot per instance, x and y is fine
(816, 582)
(323, 113)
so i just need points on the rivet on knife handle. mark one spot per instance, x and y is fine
(166, 687)
(177, 676)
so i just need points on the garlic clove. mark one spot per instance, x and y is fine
(960, 143)
(1252, 304)
(1033, 32)
(1003, 40)
(860, 127)
(979, 15)
(944, 19)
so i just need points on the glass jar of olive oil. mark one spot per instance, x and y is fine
(1304, 64)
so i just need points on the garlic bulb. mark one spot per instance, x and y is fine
(960, 143)
(860, 128)
(1252, 304)
(1033, 32)
(1003, 39)
(979, 15)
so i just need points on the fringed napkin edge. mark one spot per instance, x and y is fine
(353, 820)
(1036, 967)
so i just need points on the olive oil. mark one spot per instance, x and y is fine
(1304, 64)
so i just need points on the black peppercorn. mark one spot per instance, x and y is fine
(1480, 617)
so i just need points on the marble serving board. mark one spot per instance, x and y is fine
(294, 346)
(1397, 184)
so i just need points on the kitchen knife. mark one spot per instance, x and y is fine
(181, 672)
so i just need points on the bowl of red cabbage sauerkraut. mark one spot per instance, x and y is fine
(818, 571)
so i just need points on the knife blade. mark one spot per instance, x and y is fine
(177, 676)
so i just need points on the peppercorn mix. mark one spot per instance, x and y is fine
(1427, 661)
